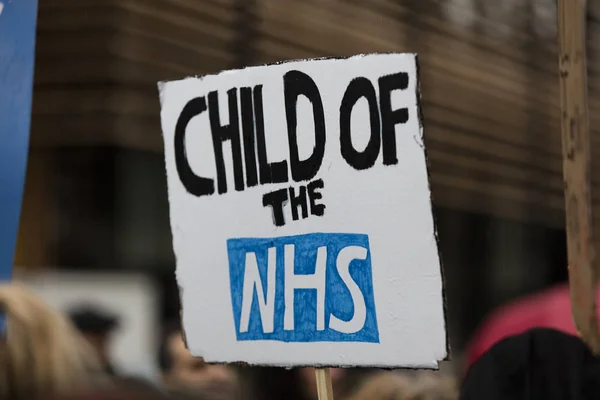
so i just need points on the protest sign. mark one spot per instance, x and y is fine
(17, 50)
(301, 214)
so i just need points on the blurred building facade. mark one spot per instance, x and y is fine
(96, 196)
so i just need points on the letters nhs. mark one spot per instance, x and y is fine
(301, 215)
(307, 288)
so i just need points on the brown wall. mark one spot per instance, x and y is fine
(490, 101)
(488, 74)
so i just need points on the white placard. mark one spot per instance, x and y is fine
(301, 214)
(130, 297)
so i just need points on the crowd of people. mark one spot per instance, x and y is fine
(49, 355)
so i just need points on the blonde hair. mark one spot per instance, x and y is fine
(40, 351)
(422, 385)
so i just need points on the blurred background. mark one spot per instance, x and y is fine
(95, 218)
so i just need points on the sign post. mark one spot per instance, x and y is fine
(576, 168)
(301, 216)
(324, 386)
(17, 51)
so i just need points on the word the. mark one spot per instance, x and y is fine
(298, 199)
(307, 288)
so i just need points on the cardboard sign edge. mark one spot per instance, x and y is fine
(162, 85)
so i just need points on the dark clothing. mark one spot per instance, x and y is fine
(540, 364)
(92, 320)
(110, 370)
(96, 325)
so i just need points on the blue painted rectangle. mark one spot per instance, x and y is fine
(348, 288)
(17, 51)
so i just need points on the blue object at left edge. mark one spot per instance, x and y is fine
(17, 55)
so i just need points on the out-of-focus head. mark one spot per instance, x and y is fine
(422, 385)
(96, 325)
(145, 391)
(41, 352)
(181, 369)
(215, 390)
(542, 363)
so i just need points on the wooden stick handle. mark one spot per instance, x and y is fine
(324, 386)
(576, 167)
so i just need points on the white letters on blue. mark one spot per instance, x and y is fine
(253, 282)
(314, 281)
(345, 256)
(293, 281)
